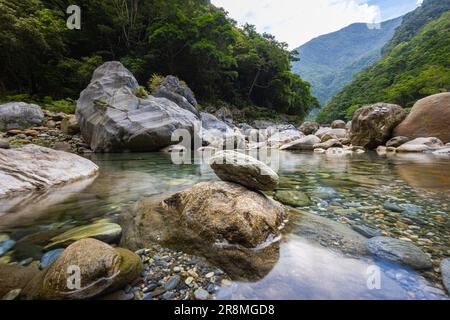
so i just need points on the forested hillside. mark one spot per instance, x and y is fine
(190, 39)
(330, 61)
(416, 63)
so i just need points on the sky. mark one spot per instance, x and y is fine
(298, 21)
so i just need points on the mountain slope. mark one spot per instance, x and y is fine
(416, 63)
(330, 61)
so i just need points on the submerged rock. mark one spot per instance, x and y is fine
(113, 119)
(70, 125)
(292, 198)
(372, 126)
(338, 124)
(421, 145)
(399, 251)
(243, 169)
(33, 167)
(106, 232)
(20, 115)
(208, 213)
(429, 117)
(102, 269)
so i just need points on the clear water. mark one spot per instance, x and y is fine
(345, 189)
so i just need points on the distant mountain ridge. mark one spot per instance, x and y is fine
(330, 61)
(415, 64)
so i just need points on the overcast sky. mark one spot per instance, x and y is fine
(298, 21)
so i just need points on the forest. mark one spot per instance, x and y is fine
(42, 60)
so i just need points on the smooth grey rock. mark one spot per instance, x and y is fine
(332, 143)
(400, 252)
(4, 144)
(20, 115)
(33, 167)
(5, 246)
(243, 169)
(113, 119)
(309, 127)
(217, 133)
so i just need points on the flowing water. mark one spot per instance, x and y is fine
(349, 190)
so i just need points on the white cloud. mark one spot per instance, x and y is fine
(298, 21)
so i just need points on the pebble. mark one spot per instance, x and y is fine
(5, 246)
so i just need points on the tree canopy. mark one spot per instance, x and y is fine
(190, 39)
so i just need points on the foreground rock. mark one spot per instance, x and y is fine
(306, 143)
(243, 169)
(400, 252)
(421, 145)
(103, 269)
(113, 119)
(430, 117)
(372, 126)
(106, 232)
(20, 115)
(33, 167)
(445, 270)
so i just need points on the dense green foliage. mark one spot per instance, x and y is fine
(415, 67)
(190, 39)
(330, 61)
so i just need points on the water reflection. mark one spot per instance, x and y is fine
(346, 189)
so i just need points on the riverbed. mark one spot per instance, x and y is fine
(351, 190)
